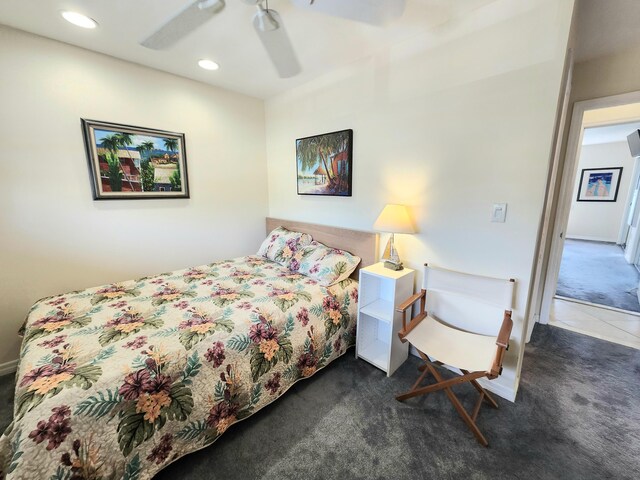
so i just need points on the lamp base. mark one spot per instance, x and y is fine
(393, 266)
(390, 257)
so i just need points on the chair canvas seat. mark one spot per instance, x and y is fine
(453, 347)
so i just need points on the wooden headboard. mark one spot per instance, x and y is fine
(357, 242)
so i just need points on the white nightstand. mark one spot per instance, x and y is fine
(381, 290)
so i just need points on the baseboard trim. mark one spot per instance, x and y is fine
(500, 390)
(593, 239)
(8, 367)
(493, 387)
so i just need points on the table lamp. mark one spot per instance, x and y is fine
(393, 219)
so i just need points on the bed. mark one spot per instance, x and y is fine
(120, 380)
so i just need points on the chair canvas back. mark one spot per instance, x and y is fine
(472, 303)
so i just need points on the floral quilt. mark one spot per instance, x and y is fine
(116, 382)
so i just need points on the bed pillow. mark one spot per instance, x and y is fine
(326, 265)
(281, 245)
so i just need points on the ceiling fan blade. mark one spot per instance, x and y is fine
(270, 30)
(183, 23)
(374, 12)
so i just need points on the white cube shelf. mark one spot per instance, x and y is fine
(381, 290)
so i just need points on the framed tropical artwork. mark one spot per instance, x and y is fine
(324, 164)
(127, 162)
(599, 184)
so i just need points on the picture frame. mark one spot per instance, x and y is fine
(324, 164)
(133, 163)
(599, 184)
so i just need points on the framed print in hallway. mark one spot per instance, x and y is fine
(127, 162)
(599, 184)
(324, 163)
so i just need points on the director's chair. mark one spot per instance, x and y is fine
(462, 330)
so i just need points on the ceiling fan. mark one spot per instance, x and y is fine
(268, 24)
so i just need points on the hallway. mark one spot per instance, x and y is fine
(596, 272)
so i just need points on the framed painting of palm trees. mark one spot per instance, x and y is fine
(324, 164)
(128, 162)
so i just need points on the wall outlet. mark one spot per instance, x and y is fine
(499, 212)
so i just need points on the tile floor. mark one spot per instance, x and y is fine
(614, 326)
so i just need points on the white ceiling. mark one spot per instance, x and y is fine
(606, 26)
(609, 134)
(322, 43)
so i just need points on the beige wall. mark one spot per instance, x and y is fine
(601, 221)
(627, 113)
(447, 129)
(54, 237)
(608, 75)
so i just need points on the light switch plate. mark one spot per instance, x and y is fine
(499, 212)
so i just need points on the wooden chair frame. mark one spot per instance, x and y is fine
(502, 345)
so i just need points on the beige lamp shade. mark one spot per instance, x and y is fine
(394, 219)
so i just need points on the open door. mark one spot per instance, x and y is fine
(632, 236)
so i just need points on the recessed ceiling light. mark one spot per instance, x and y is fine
(208, 65)
(79, 19)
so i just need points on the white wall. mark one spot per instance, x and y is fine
(447, 129)
(54, 237)
(601, 221)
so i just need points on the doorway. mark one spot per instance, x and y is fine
(592, 281)
(597, 266)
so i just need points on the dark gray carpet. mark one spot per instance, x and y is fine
(6, 401)
(597, 272)
(577, 416)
